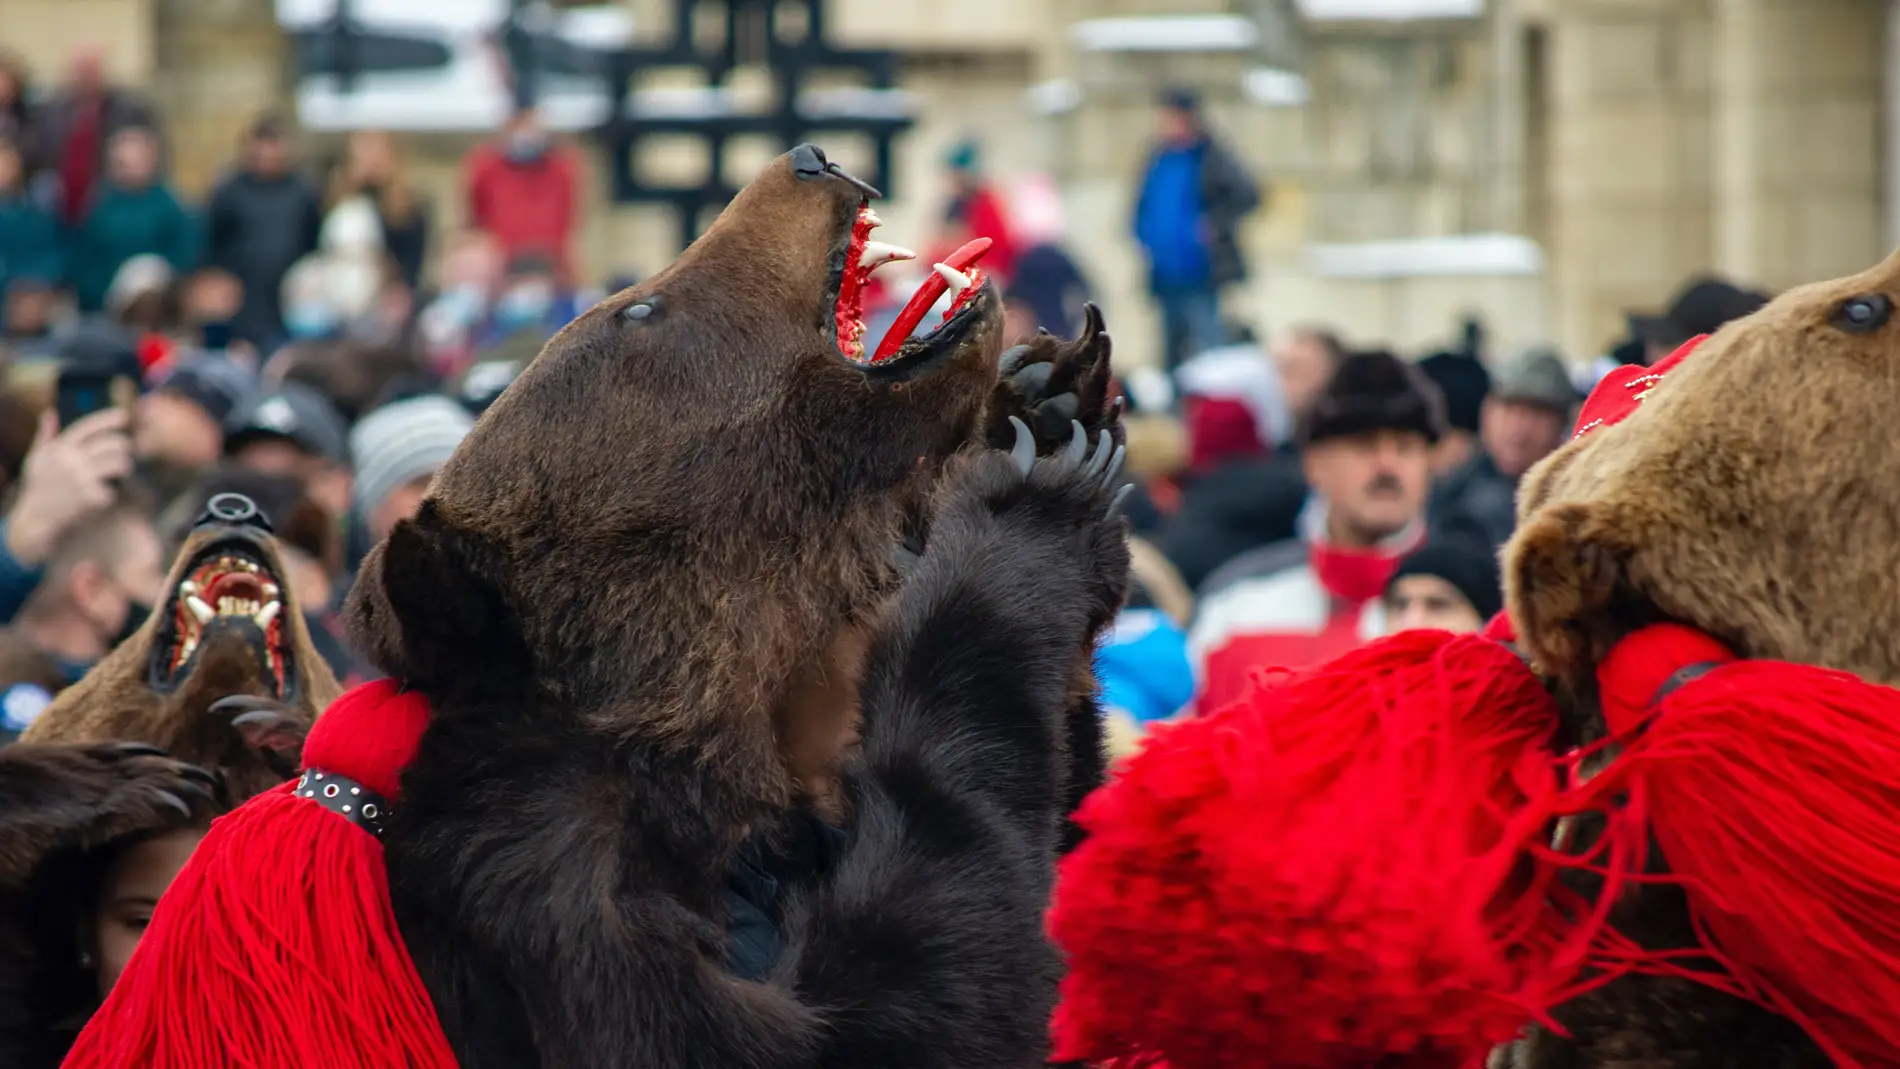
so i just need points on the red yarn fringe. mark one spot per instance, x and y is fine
(1337, 871)
(1774, 793)
(276, 947)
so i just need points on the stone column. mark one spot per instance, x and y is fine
(1739, 121)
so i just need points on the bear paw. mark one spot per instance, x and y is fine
(272, 729)
(1052, 515)
(94, 793)
(1049, 383)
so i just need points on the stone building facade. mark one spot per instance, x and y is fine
(1547, 164)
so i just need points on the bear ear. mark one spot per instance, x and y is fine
(423, 612)
(1563, 571)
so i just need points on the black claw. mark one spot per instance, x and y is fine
(196, 774)
(1078, 443)
(1114, 470)
(1121, 496)
(1023, 452)
(1012, 361)
(172, 800)
(1091, 319)
(138, 749)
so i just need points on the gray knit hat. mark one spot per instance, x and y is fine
(403, 441)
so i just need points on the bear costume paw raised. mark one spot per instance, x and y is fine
(739, 693)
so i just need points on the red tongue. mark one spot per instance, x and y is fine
(234, 585)
(934, 287)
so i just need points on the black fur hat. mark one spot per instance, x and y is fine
(1375, 391)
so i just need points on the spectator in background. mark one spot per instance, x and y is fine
(1367, 454)
(1523, 421)
(19, 126)
(261, 219)
(180, 428)
(1194, 194)
(1702, 306)
(67, 475)
(524, 189)
(470, 272)
(100, 584)
(30, 244)
(372, 169)
(1306, 359)
(1462, 378)
(1450, 584)
(30, 306)
(397, 450)
(1045, 277)
(530, 304)
(295, 430)
(209, 302)
(143, 301)
(80, 124)
(975, 211)
(1248, 495)
(133, 213)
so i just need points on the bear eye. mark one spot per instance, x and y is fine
(1867, 312)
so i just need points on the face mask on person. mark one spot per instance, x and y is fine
(524, 305)
(306, 322)
(526, 146)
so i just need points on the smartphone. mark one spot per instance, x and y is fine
(80, 393)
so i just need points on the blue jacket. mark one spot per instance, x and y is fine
(17, 581)
(30, 245)
(1143, 666)
(1188, 216)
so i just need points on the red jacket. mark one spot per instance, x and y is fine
(527, 207)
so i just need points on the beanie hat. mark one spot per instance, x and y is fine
(1464, 382)
(216, 384)
(1375, 391)
(401, 442)
(1467, 563)
(294, 412)
(1538, 377)
(1233, 404)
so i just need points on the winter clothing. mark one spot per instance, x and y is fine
(1375, 391)
(1050, 283)
(1470, 566)
(256, 228)
(1463, 381)
(72, 139)
(402, 442)
(1240, 504)
(1190, 324)
(1701, 307)
(1234, 384)
(529, 206)
(1478, 496)
(30, 245)
(213, 383)
(296, 413)
(1188, 213)
(1293, 605)
(17, 581)
(1143, 667)
(1538, 377)
(124, 223)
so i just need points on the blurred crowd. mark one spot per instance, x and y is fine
(324, 335)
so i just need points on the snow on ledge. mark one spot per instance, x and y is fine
(1465, 255)
(1389, 10)
(1166, 33)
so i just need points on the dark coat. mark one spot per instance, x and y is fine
(1477, 497)
(256, 228)
(1239, 505)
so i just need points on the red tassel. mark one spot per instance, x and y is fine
(1774, 791)
(1344, 869)
(276, 947)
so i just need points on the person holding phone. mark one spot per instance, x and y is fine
(68, 475)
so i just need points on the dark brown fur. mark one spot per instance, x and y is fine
(1750, 495)
(644, 598)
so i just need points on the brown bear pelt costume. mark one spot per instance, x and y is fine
(183, 720)
(1751, 496)
(648, 598)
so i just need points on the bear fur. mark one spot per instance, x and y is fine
(1750, 495)
(131, 749)
(697, 580)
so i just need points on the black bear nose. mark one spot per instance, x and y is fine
(808, 161)
(228, 510)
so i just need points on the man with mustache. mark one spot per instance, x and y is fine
(1366, 449)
